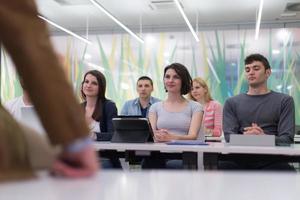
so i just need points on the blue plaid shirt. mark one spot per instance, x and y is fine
(133, 107)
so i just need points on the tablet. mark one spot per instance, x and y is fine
(132, 130)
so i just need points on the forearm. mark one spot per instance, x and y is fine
(217, 131)
(284, 140)
(183, 137)
(40, 70)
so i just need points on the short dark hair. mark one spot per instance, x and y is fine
(257, 57)
(183, 73)
(145, 78)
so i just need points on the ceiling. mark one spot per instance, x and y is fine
(150, 16)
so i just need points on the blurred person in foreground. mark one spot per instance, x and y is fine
(26, 39)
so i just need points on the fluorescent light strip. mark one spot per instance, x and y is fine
(213, 70)
(116, 20)
(65, 30)
(258, 19)
(186, 20)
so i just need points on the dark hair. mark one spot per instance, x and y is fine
(145, 78)
(183, 73)
(257, 57)
(97, 114)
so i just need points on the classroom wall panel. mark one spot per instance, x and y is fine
(218, 58)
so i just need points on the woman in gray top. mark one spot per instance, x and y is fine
(176, 118)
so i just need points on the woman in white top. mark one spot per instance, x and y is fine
(99, 110)
(176, 118)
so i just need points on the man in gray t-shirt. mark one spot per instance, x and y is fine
(260, 111)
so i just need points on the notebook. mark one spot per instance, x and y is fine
(186, 142)
(30, 118)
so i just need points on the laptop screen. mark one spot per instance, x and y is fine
(30, 118)
(129, 116)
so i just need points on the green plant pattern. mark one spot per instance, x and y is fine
(126, 61)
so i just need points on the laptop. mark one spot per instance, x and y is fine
(132, 130)
(130, 116)
(252, 140)
(30, 118)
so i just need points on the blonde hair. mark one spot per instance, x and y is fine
(207, 97)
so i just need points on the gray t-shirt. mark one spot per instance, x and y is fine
(176, 122)
(273, 112)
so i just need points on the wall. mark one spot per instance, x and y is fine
(218, 58)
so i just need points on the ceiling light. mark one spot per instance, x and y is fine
(150, 40)
(125, 86)
(258, 20)
(87, 56)
(166, 54)
(289, 87)
(100, 7)
(284, 35)
(65, 30)
(278, 87)
(275, 51)
(186, 20)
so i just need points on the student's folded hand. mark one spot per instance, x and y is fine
(253, 130)
(162, 135)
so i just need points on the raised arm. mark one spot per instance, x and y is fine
(26, 39)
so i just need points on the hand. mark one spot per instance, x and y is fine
(162, 135)
(74, 165)
(208, 132)
(253, 130)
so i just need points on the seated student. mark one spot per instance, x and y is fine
(212, 117)
(14, 106)
(176, 118)
(259, 111)
(140, 106)
(99, 110)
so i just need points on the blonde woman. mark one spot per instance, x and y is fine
(212, 118)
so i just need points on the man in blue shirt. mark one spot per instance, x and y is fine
(140, 106)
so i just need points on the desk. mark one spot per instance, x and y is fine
(223, 148)
(189, 156)
(203, 151)
(158, 185)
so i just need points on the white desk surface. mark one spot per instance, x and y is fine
(211, 148)
(158, 185)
